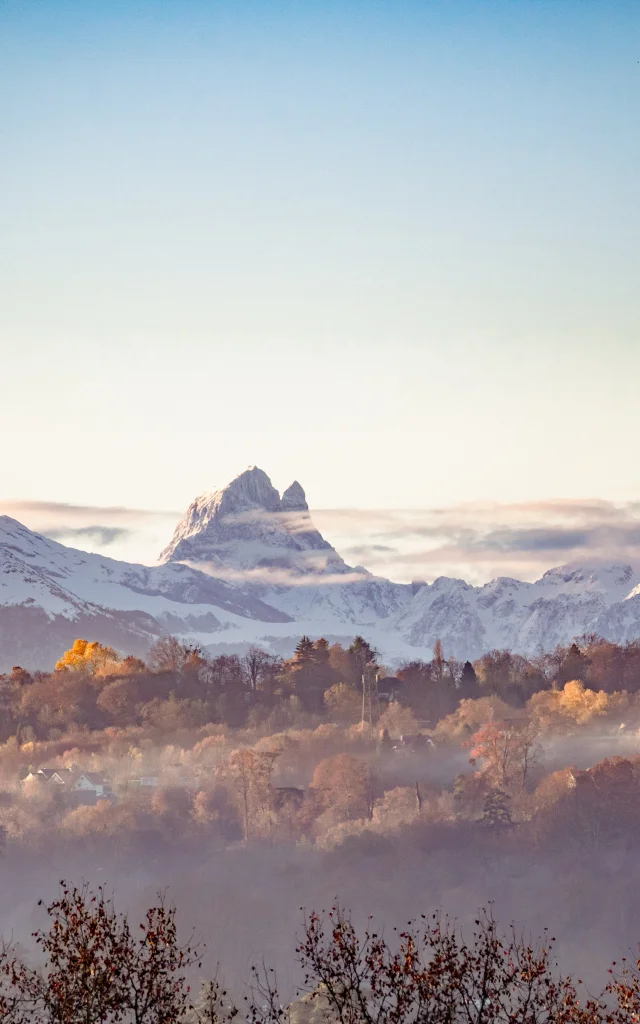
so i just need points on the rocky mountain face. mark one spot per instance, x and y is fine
(247, 532)
(247, 527)
(247, 565)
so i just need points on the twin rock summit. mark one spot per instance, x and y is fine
(246, 565)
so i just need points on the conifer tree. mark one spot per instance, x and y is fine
(304, 651)
(496, 813)
(469, 688)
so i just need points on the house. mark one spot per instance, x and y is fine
(145, 781)
(90, 782)
(71, 781)
(53, 776)
(33, 778)
(56, 776)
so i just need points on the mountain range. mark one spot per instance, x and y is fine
(247, 565)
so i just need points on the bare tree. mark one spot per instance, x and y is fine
(260, 667)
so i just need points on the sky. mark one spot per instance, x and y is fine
(390, 249)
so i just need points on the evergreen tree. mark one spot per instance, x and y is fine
(437, 663)
(321, 652)
(469, 687)
(496, 813)
(311, 673)
(363, 651)
(304, 651)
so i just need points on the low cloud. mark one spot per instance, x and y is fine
(57, 511)
(482, 540)
(280, 576)
(364, 550)
(101, 535)
(295, 520)
(131, 534)
(474, 541)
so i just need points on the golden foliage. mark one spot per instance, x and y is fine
(85, 656)
(573, 706)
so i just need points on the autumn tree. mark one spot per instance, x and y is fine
(345, 785)
(508, 751)
(119, 700)
(174, 713)
(429, 975)
(248, 772)
(429, 692)
(96, 970)
(168, 654)
(398, 721)
(344, 667)
(469, 716)
(88, 657)
(172, 805)
(343, 703)
(573, 664)
(509, 676)
(573, 706)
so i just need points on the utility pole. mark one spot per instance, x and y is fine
(369, 697)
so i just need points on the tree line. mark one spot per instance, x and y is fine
(181, 686)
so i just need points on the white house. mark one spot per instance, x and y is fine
(70, 780)
(90, 782)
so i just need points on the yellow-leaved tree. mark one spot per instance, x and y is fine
(574, 705)
(85, 656)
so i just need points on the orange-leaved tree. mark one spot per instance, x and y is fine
(85, 656)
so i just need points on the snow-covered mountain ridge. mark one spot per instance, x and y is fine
(525, 617)
(247, 565)
(50, 593)
(247, 531)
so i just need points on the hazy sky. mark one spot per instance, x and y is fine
(389, 248)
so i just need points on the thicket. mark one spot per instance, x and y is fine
(93, 967)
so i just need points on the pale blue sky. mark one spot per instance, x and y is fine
(391, 249)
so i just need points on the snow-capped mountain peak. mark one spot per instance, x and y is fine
(246, 531)
(247, 527)
(247, 565)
